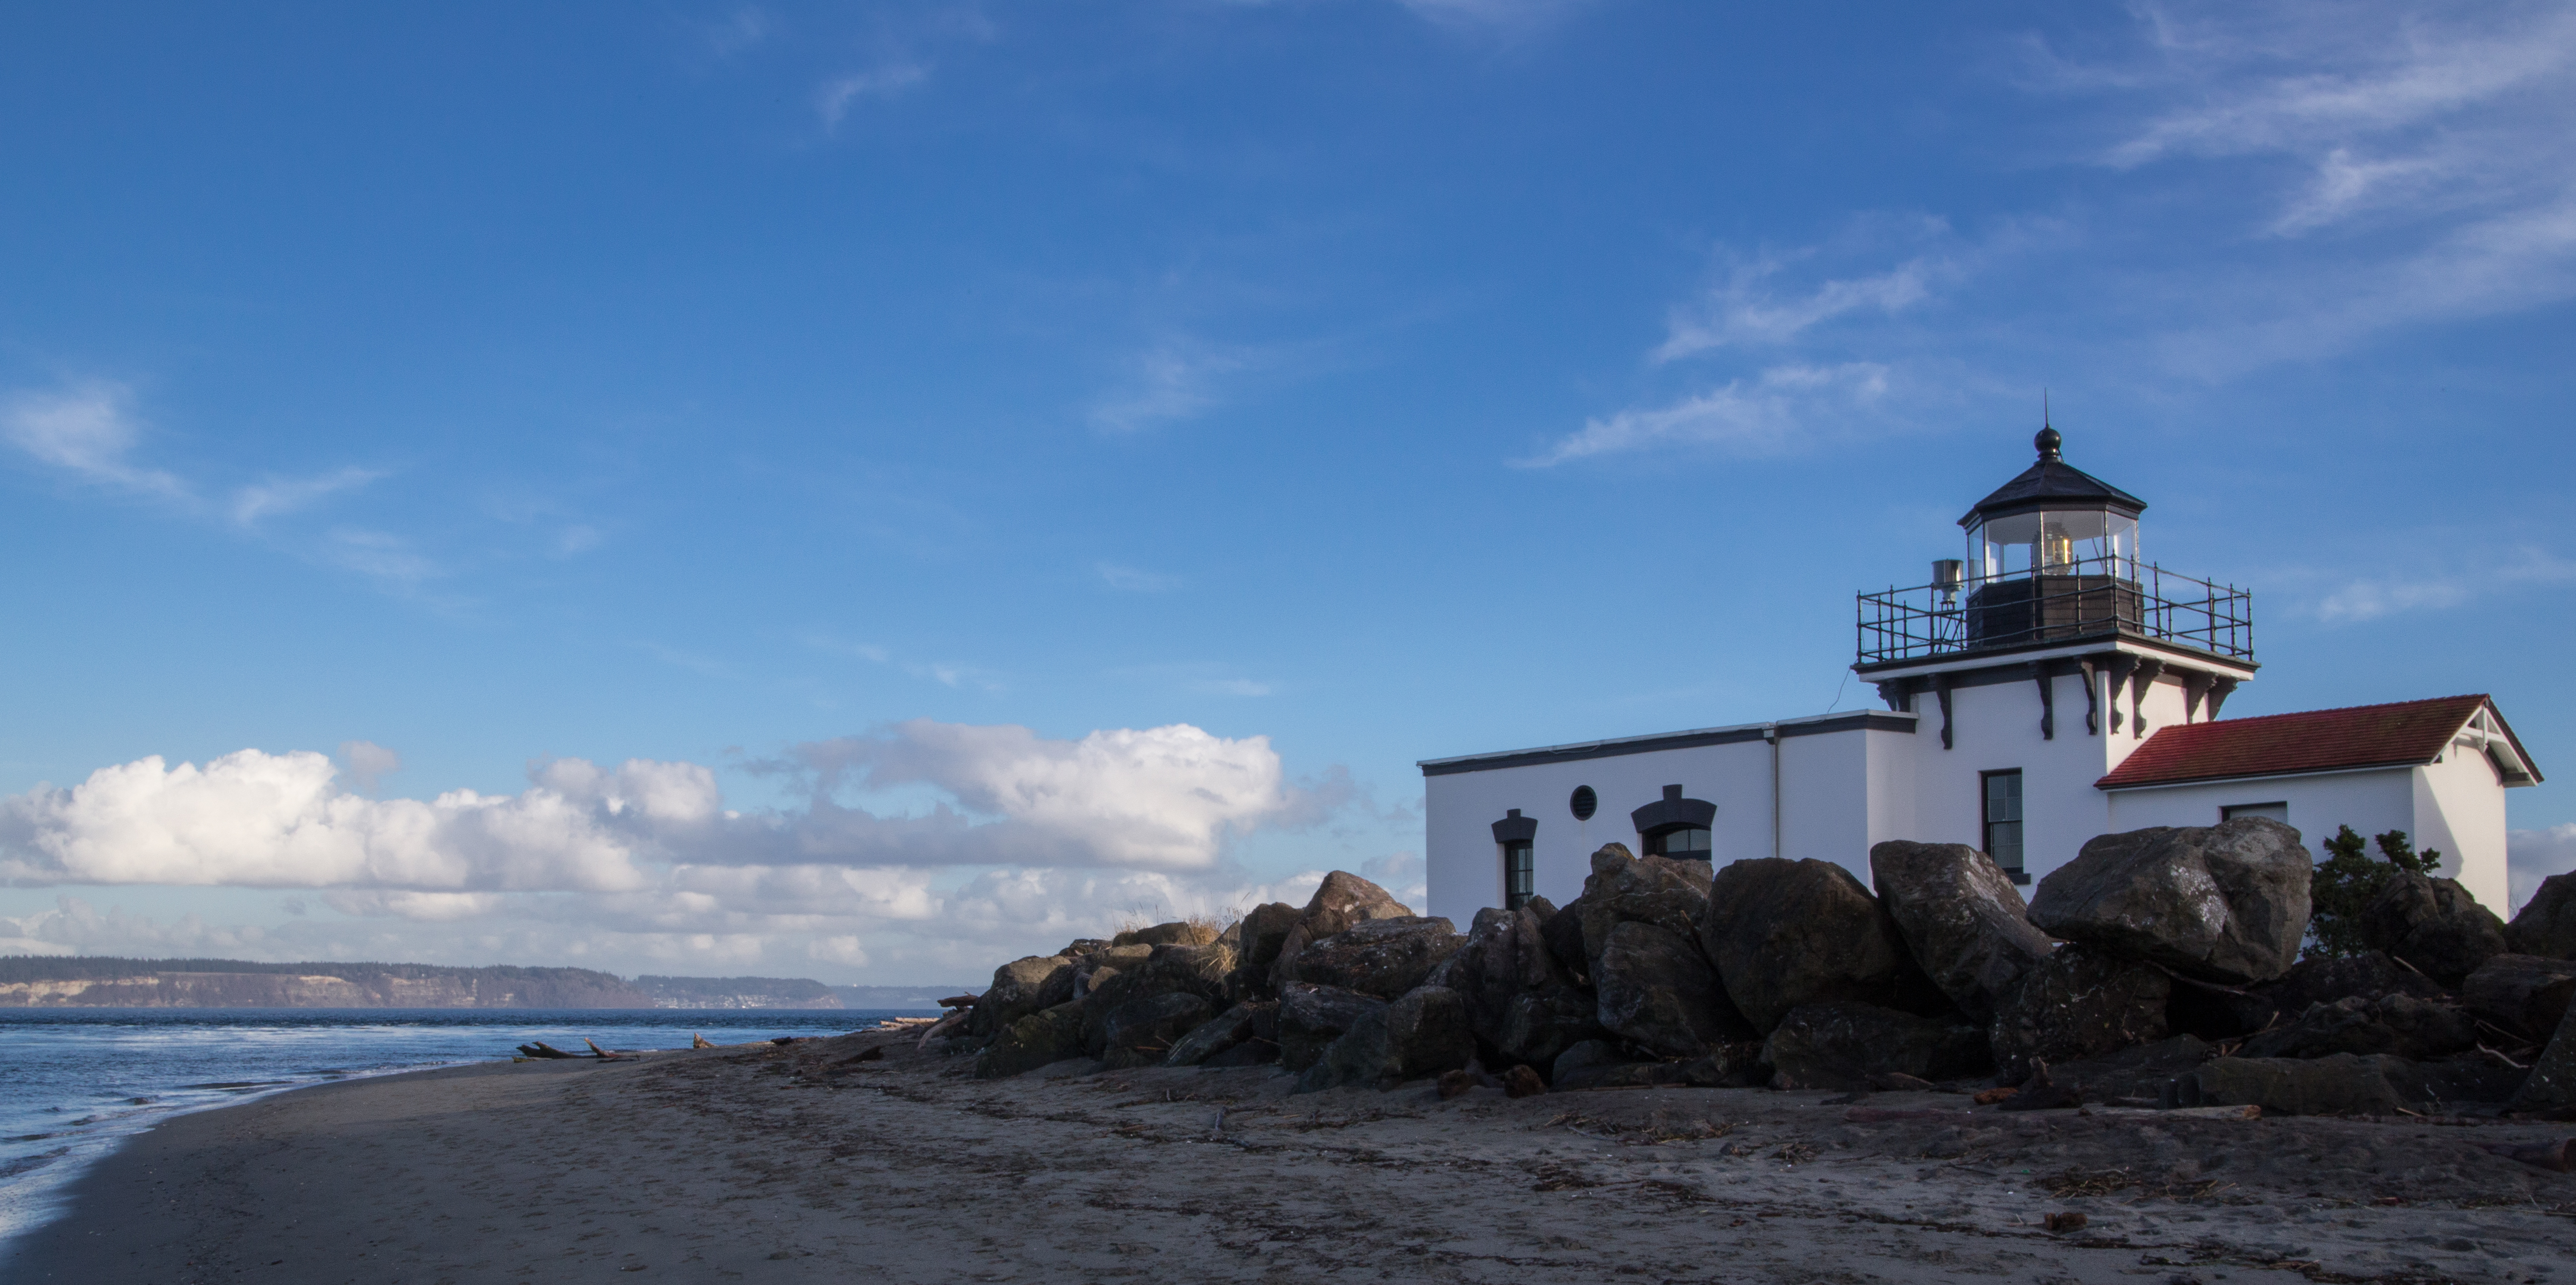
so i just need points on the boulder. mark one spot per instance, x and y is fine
(1381, 957)
(2433, 924)
(1562, 930)
(2139, 1072)
(1427, 1032)
(1264, 931)
(2551, 1086)
(2080, 1002)
(2547, 925)
(1037, 1040)
(2224, 903)
(1142, 1032)
(1582, 1058)
(1203, 970)
(1521, 1001)
(1021, 987)
(2526, 994)
(1181, 971)
(1177, 933)
(2369, 974)
(1657, 992)
(1311, 1017)
(2343, 1084)
(1344, 899)
(1841, 1045)
(2403, 1025)
(1787, 933)
(1358, 1057)
(1236, 1026)
(1341, 900)
(1623, 889)
(1961, 918)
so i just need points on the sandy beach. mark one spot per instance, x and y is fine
(792, 1163)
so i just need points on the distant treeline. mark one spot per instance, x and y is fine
(117, 982)
(84, 968)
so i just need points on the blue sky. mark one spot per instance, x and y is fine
(857, 490)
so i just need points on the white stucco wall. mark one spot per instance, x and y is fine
(2459, 809)
(1463, 864)
(2370, 802)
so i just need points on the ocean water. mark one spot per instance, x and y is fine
(76, 1081)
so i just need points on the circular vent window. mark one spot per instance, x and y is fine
(1585, 803)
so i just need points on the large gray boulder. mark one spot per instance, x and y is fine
(1839, 1046)
(1657, 992)
(2401, 1025)
(1177, 933)
(2526, 994)
(2551, 1086)
(1427, 1032)
(1341, 900)
(2081, 1002)
(1021, 987)
(1669, 894)
(2224, 903)
(2341, 1084)
(1311, 1017)
(1250, 1022)
(1198, 971)
(1961, 917)
(2547, 925)
(1521, 999)
(1381, 957)
(1358, 1057)
(1039, 1039)
(1562, 930)
(1203, 970)
(1785, 933)
(1142, 1032)
(2433, 924)
(1264, 931)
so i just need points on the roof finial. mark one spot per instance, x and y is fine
(2049, 439)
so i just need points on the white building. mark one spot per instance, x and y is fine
(2049, 687)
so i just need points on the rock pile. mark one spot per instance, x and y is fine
(2158, 967)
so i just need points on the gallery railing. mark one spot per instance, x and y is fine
(2106, 597)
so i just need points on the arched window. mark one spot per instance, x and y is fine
(1675, 827)
(1517, 836)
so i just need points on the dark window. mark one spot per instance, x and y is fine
(2277, 811)
(1584, 803)
(1519, 876)
(2003, 821)
(1689, 843)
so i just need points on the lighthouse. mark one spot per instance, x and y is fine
(2051, 683)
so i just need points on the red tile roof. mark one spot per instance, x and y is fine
(2402, 734)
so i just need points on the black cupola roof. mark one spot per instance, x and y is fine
(2053, 484)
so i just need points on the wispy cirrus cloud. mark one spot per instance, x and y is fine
(2422, 162)
(1175, 379)
(834, 97)
(277, 495)
(87, 429)
(2398, 588)
(1764, 415)
(1748, 308)
(1127, 579)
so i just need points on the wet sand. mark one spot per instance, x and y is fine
(787, 1164)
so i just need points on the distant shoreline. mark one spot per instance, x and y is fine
(69, 981)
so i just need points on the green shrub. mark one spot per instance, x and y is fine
(2346, 881)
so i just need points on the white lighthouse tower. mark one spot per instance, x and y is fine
(2050, 685)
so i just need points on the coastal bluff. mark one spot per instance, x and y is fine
(73, 981)
(87, 982)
